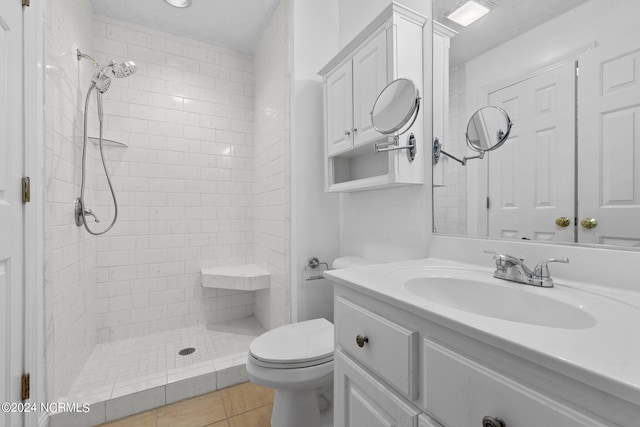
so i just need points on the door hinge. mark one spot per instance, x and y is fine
(26, 2)
(26, 189)
(25, 387)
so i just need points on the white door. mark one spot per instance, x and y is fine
(339, 110)
(11, 209)
(609, 149)
(531, 177)
(369, 78)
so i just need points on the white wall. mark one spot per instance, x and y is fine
(184, 184)
(391, 224)
(69, 252)
(314, 212)
(271, 165)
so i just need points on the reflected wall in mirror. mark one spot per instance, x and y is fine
(567, 72)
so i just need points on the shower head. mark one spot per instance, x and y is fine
(124, 69)
(101, 82)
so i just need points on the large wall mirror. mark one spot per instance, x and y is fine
(567, 72)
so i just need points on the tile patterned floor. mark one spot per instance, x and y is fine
(120, 368)
(243, 405)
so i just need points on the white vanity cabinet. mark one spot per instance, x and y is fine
(389, 48)
(412, 371)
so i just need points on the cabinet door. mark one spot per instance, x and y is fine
(363, 401)
(426, 421)
(461, 392)
(369, 78)
(339, 111)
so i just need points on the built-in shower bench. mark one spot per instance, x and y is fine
(247, 277)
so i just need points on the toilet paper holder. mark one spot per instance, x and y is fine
(314, 269)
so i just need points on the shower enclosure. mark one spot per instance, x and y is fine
(202, 183)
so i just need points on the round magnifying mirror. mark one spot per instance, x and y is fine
(488, 129)
(397, 105)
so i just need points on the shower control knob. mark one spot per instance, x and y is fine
(361, 340)
(492, 422)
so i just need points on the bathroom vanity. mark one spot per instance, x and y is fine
(438, 343)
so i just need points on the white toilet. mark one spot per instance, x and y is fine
(297, 361)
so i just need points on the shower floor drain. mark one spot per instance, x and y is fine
(186, 351)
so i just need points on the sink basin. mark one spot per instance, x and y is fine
(500, 301)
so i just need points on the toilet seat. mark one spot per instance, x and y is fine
(297, 345)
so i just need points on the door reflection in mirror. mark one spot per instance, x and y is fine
(575, 150)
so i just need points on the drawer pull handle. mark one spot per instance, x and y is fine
(492, 422)
(361, 341)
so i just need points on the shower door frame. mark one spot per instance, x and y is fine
(33, 110)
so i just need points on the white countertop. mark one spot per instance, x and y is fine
(605, 356)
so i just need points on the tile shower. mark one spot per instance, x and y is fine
(204, 182)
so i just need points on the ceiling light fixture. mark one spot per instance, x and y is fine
(467, 13)
(179, 3)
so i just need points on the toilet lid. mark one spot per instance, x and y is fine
(307, 343)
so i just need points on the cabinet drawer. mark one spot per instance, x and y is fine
(460, 392)
(362, 401)
(391, 350)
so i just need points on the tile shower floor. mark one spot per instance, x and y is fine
(150, 369)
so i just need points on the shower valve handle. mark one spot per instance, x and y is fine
(89, 212)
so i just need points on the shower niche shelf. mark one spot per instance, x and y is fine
(107, 142)
(248, 277)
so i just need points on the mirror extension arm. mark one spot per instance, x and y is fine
(392, 145)
(437, 150)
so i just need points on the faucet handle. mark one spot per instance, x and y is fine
(542, 269)
(502, 258)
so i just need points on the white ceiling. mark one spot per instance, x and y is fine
(507, 19)
(233, 24)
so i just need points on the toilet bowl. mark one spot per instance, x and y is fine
(297, 361)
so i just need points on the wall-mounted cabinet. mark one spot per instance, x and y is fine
(389, 48)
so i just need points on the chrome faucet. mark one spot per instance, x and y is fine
(511, 268)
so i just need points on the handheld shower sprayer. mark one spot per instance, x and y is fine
(100, 81)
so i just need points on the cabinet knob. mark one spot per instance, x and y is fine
(361, 341)
(354, 130)
(347, 133)
(492, 422)
(563, 221)
(589, 223)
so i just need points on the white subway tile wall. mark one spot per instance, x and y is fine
(184, 184)
(201, 184)
(272, 168)
(70, 252)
